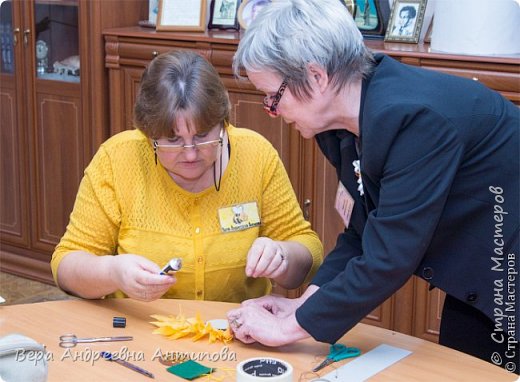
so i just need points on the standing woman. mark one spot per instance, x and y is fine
(186, 184)
(429, 165)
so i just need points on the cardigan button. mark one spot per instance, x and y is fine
(427, 273)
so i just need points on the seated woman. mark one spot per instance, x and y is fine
(186, 184)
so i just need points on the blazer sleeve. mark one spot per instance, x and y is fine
(414, 164)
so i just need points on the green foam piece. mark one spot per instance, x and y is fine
(189, 370)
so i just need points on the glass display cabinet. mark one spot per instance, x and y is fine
(54, 114)
(42, 119)
(56, 40)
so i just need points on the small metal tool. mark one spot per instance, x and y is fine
(71, 340)
(337, 352)
(109, 357)
(173, 265)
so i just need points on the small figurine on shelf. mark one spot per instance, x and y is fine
(68, 66)
(42, 51)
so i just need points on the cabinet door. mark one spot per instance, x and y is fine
(13, 143)
(247, 111)
(325, 219)
(58, 160)
(124, 85)
(53, 72)
(428, 311)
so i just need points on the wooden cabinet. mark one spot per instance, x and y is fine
(413, 309)
(54, 112)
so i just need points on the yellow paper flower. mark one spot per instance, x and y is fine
(175, 327)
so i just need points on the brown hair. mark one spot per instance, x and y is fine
(175, 83)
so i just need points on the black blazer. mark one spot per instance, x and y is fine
(440, 170)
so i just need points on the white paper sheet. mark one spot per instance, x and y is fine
(367, 365)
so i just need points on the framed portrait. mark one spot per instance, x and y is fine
(406, 19)
(248, 11)
(223, 14)
(181, 15)
(371, 17)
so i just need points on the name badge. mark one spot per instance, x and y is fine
(344, 203)
(239, 217)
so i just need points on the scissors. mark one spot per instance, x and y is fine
(71, 340)
(337, 352)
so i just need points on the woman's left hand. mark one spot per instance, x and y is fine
(253, 323)
(266, 258)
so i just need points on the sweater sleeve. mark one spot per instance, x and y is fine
(282, 217)
(95, 219)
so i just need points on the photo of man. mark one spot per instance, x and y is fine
(405, 23)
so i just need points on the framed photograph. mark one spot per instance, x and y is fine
(248, 11)
(406, 21)
(223, 14)
(371, 17)
(181, 15)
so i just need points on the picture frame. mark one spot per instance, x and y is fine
(182, 15)
(248, 11)
(223, 14)
(371, 17)
(406, 19)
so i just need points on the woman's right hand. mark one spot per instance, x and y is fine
(139, 277)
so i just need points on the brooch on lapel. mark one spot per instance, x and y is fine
(357, 171)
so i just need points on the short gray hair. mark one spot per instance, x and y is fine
(288, 35)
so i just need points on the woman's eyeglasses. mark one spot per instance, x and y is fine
(207, 145)
(271, 102)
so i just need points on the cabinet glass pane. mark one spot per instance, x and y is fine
(6, 38)
(56, 38)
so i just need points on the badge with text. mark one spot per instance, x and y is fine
(344, 203)
(239, 217)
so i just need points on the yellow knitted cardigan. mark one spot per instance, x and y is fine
(128, 204)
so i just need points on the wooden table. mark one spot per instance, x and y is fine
(45, 322)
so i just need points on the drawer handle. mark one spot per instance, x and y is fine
(26, 34)
(15, 35)
(155, 53)
(306, 209)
